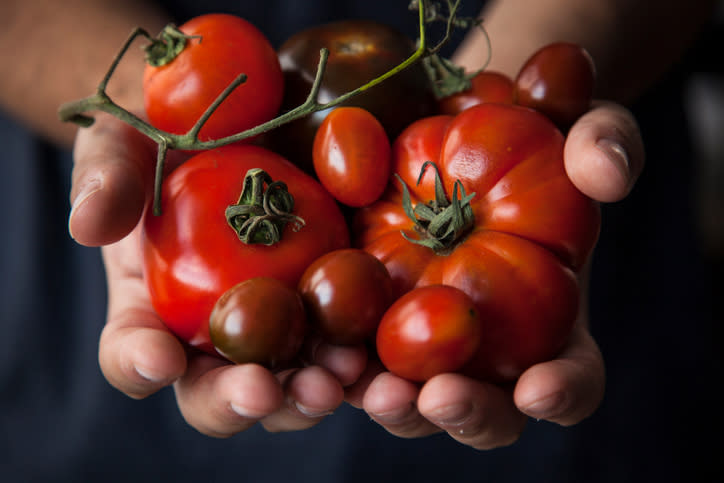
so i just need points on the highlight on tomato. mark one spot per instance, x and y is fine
(179, 86)
(230, 214)
(483, 204)
(428, 331)
(351, 155)
(345, 293)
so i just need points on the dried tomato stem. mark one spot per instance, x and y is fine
(263, 211)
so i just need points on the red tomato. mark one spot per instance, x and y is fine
(520, 238)
(260, 320)
(345, 293)
(351, 156)
(178, 93)
(429, 331)
(192, 255)
(487, 86)
(558, 81)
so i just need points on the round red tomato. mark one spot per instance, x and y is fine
(260, 320)
(506, 226)
(558, 81)
(429, 331)
(345, 293)
(192, 255)
(178, 93)
(351, 155)
(487, 86)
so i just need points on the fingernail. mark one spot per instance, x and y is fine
(394, 416)
(245, 412)
(616, 154)
(149, 374)
(91, 187)
(452, 415)
(546, 407)
(311, 412)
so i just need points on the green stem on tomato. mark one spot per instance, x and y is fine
(263, 211)
(441, 223)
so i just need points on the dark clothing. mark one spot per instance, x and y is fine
(655, 313)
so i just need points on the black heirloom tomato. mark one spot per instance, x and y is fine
(359, 51)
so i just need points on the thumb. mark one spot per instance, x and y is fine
(604, 153)
(112, 173)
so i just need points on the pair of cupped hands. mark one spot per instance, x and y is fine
(112, 181)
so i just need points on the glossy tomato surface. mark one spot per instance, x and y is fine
(351, 155)
(192, 255)
(260, 320)
(557, 80)
(532, 229)
(359, 51)
(429, 331)
(345, 293)
(486, 86)
(178, 93)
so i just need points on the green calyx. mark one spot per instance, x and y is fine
(263, 210)
(441, 223)
(166, 46)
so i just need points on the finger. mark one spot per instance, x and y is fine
(392, 402)
(604, 153)
(311, 394)
(137, 354)
(346, 363)
(354, 394)
(110, 178)
(567, 389)
(219, 399)
(476, 414)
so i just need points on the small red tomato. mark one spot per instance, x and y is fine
(260, 320)
(431, 330)
(557, 81)
(345, 293)
(351, 156)
(176, 94)
(487, 86)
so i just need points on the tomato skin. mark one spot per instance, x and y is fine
(487, 86)
(351, 155)
(346, 292)
(359, 51)
(533, 230)
(178, 93)
(429, 331)
(260, 320)
(558, 81)
(192, 256)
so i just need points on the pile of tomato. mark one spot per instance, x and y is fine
(445, 234)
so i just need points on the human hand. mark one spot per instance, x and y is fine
(603, 156)
(112, 181)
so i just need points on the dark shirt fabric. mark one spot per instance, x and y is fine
(653, 314)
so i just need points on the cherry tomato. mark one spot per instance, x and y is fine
(260, 320)
(192, 255)
(345, 293)
(351, 156)
(487, 86)
(359, 51)
(517, 243)
(178, 93)
(429, 331)
(558, 81)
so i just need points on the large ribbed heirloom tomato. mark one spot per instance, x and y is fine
(495, 215)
